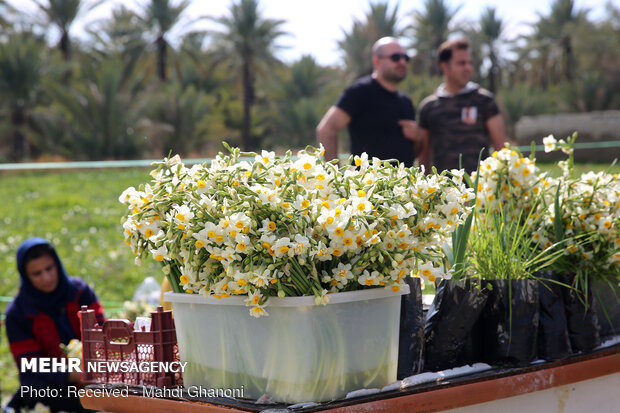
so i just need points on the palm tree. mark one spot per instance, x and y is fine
(63, 13)
(21, 72)
(122, 34)
(431, 27)
(357, 43)
(6, 10)
(491, 28)
(162, 15)
(103, 110)
(555, 31)
(186, 117)
(246, 41)
(298, 94)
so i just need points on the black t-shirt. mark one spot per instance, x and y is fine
(375, 113)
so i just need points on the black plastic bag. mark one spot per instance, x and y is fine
(581, 319)
(449, 325)
(553, 342)
(607, 307)
(509, 322)
(411, 335)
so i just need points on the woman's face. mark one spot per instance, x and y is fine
(42, 273)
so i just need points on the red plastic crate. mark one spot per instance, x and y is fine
(116, 341)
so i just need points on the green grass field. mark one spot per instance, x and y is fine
(79, 212)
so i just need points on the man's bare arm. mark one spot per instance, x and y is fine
(497, 132)
(327, 131)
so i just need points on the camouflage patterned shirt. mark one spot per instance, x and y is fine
(456, 124)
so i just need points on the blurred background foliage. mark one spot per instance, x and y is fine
(122, 90)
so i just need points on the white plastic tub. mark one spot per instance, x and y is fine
(300, 352)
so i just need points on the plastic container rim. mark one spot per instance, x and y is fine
(335, 298)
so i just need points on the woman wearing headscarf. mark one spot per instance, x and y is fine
(44, 315)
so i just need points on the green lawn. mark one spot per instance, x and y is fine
(80, 213)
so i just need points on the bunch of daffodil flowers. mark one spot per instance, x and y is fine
(585, 208)
(507, 238)
(509, 178)
(263, 225)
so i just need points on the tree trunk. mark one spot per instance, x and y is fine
(568, 58)
(20, 146)
(248, 97)
(493, 72)
(65, 46)
(161, 57)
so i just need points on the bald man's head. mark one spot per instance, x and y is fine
(380, 44)
(389, 61)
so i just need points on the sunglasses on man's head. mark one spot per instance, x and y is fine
(395, 57)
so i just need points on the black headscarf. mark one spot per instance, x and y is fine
(52, 304)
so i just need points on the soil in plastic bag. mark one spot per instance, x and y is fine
(607, 307)
(411, 335)
(581, 319)
(553, 342)
(509, 322)
(448, 330)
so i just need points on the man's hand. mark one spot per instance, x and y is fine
(410, 129)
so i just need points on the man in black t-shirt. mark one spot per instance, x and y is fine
(380, 119)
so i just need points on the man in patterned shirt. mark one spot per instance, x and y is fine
(460, 118)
